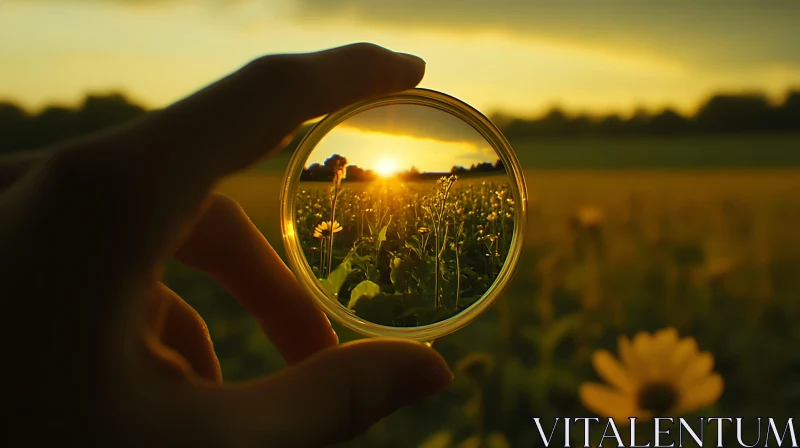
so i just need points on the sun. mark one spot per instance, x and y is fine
(386, 167)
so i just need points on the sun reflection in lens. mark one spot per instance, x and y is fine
(386, 167)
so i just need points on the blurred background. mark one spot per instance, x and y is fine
(661, 147)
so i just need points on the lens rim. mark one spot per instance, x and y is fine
(302, 268)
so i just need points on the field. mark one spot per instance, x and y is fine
(714, 254)
(402, 253)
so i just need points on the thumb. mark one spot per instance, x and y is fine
(332, 396)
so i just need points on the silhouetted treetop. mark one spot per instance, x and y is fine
(22, 130)
(721, 113)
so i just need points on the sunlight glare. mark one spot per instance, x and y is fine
(386, 167)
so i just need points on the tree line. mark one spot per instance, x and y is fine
(324, 172)
(22, 129)
(723, 113)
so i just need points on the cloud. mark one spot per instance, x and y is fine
(718, 34)
(416, 121)
(146, 3)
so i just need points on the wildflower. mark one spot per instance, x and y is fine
(423, 230)
(339, 171)
(323, 230)
(510, 201)
(492, 216)
(660, 375)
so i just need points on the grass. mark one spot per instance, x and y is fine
(712, 253)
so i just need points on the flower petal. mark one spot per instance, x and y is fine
(703, 393)
(644, 350)
(628, 358)
(667, 338)
(696, 369)
(664, 342)
(684, 352)
(611, 371)
(606, 402)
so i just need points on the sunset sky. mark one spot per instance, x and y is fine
(512, 55)
(394, 138)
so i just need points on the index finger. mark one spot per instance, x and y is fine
(160, 169)
(245, 116)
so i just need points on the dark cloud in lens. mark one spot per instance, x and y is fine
(702, 33)
(418, 122)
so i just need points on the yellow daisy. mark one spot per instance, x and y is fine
(659, 375)
(323, 230)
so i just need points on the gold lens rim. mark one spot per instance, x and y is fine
(302, 269)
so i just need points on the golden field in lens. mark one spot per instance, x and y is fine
(401, 252)
(707, 260)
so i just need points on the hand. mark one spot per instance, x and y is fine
(100, 351)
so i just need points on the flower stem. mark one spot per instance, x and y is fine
(330, 229)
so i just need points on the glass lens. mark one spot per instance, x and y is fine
(405, 214)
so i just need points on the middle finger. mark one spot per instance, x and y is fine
(225, 244)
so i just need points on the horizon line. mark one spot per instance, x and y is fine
(775, 100)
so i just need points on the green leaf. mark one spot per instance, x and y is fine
(400, 274)
(365, 289)
(469, 272)
(382, 234)
(413, 248)
(393, 309)
(334, 282)
(360, 261)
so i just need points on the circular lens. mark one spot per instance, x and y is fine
(404, 216)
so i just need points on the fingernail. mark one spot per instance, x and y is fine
(416, 60)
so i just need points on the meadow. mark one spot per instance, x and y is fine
(713, 254)
(406, 253)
